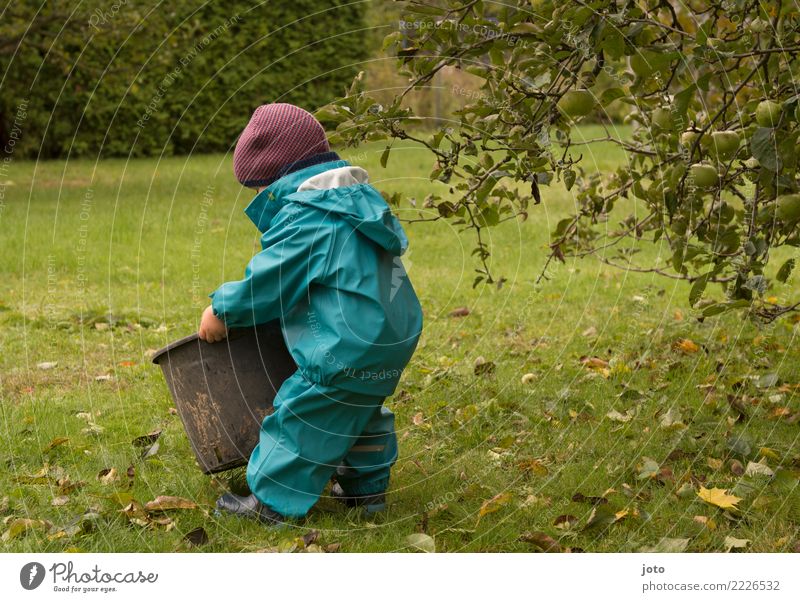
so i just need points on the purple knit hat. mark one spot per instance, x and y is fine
(277, 136)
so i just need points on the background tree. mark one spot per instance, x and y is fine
(709, 86)
(146, 78)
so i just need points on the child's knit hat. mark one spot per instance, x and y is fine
(278, 135)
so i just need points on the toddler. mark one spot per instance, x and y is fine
(330, 271)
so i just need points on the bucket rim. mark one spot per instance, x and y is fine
(158, 355)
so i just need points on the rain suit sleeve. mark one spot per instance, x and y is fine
(295, 252)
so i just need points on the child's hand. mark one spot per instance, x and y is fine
(212, 329)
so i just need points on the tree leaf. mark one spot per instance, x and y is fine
(764, 148)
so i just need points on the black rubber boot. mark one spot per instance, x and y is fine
(369, 504)
(248, 507)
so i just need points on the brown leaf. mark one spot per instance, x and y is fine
(459, 312)
(333, 547)
(737, 468)
(61, 500)
(65, 486)
(483, 367)
(310, 537)
(131, 472)
(169, 502)
(197, 537)
(107, 476)
(542, 541)
(565, 519)
(594, 500)
(148, 439)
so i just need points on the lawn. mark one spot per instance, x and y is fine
(105, 262)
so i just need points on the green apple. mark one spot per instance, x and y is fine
(768, 113)
(787, 207)
(688, 138)
(725, 144)
(576, 103)
(703, 175)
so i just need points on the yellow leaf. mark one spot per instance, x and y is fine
(494, 504)
(718, 497)
(687, 346)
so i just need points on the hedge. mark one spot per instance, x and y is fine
(147, 78)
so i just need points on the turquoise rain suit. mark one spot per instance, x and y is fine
(330, 270)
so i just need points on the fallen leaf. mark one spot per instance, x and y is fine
(732, 543)
(566, 520)
(757, 468)
(672, 420)
(589, 332)
(718, 497)
(127, 364)
(494, 504)
(310, 537)
(61, 500)
(528, 378)
(148, 439)
(737, 468)
(197, 536)
(483, 367)
(618, 417)
(169, 502)
(667, 545)
(332, 548)
(591, 499)
(107, 476)
(594, 363)
(534, 466)
(46, 365)
(418, 419)
(67, 486)
(422, 542)
(709, 523)
(55, 443)
(21, 526)
(459, 312)
(601, 516)
(542, 541)
(765, 381)
(648, 469)
(686, 346)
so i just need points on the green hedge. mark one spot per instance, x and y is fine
(177, 77)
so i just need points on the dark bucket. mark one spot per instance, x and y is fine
(223, 390)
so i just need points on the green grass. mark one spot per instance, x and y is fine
(128, 261)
